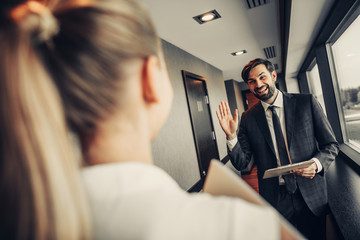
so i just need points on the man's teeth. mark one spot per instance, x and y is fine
(261, 91)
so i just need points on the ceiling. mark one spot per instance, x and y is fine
(239, 27)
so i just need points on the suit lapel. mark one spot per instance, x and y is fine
(263, 125)
(289, 110)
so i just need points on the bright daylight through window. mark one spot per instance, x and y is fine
(315, 85)
(346, 56)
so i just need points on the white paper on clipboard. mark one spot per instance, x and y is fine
(283, 170)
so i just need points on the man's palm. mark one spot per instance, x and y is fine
(226, 120)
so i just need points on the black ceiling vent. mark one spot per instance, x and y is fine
(276, 66)
(256, 3)
(270, 52)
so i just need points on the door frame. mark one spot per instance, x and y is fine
(187, 74)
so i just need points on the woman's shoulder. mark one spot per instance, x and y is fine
(125, 175)
(148, 198)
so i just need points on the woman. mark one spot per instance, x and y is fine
(105, 59)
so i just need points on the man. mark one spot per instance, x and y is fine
(281, 129)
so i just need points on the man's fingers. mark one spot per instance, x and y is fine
(308, 172)
(311, 176)
(221, 109)
(224, 111)
(236, 115)
(227, 108)
(218, 115)
(305, 172)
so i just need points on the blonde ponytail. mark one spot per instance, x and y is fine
(40, 189)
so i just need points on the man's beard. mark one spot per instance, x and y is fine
(265, 97)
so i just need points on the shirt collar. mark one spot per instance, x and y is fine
(277, 103)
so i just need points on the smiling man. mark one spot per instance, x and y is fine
(282, 129)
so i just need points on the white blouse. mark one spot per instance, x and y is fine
(140, 201)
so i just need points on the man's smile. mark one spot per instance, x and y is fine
(262, 90)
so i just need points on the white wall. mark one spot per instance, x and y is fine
(292, 85)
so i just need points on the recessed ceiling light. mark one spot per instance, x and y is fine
(207, 17)
(238, 53)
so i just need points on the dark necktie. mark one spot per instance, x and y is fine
(283, 155)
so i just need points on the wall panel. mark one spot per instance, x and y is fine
(174, 148)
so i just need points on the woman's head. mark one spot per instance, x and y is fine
(38, 172)
(89, 57)
(77, 60)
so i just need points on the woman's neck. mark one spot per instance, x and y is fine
(119, 142)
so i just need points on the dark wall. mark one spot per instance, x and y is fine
(174, 148)
(234, 95)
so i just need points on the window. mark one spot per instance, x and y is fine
(346, 59)
(314, 83)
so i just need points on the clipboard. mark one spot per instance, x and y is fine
(222, 181)
(283, 170)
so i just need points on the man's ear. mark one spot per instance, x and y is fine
(150, 81)
(274, 75)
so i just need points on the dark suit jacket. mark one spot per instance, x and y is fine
(309, 135)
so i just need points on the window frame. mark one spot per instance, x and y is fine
(353, 14)
(312, 88)
(341, 16)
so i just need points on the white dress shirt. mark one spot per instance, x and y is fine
(279, 103)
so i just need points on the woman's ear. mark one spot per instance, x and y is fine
(157, 93)
(150, 80)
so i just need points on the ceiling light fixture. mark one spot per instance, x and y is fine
(239, 52)
(207, 17)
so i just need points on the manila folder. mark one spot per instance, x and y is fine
(221, 180)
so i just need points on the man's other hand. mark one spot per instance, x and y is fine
(308, 172)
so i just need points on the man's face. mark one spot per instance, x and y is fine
(262, 83)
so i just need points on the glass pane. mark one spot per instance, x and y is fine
(346, 54)
(314, 83)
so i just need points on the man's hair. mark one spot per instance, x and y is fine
(253, 63)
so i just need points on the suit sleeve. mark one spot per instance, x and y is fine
(327, 144)
(240, 155)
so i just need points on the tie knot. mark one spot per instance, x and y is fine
(272, 108)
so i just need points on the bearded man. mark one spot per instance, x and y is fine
(281, 129)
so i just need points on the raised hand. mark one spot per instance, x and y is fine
(228, 124)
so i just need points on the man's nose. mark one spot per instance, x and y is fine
(258, 83)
